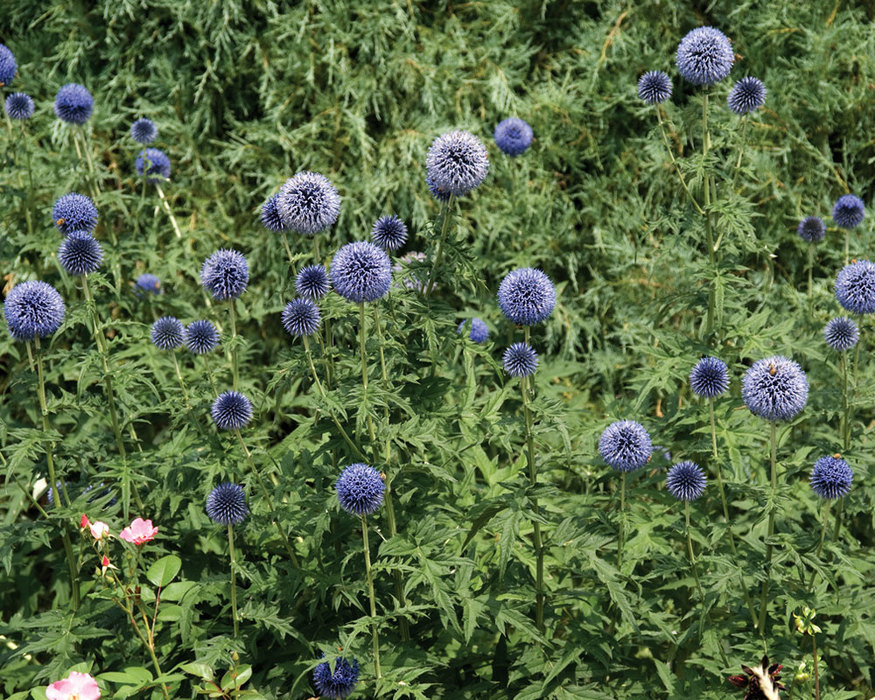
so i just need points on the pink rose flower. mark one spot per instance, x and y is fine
(76, 686)
(99, 530)
(139, 531)
(84, 521)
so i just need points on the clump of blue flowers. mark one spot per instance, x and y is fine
(775, 388)
(855, 287)
(479, 330)
(709, 377)
(389, 232)
(513, 136)
(201, 337)
(74, 104)
(360, 489)
(225, 274)
(625, 445)
(144, 131)
(148, 282)
(80, 254)
(231, 410)
(167, 333)
(811, 229)
(848, 211)
(74, 212)
(19, 106)
(411, 279)
(153, 161)
(841, 334)
(301, 317)
(33, 309)
(705, 56)
(520, 360)
(747, 95)
(456, 163)
(686, 481)
(654, 87)
(526, 296)
(312, 282)
(8, 66)
(831, 477)
(226, 504)
(308, 203)
(361, 272)
(338, 684)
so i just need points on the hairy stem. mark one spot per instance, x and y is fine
(370, 577)
(764, 593)
(445, 225)
(233, 578)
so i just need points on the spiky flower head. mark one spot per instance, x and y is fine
(831, 477)
(301, 317)
(704, 56)
(625, 445)
(415, 278)
(513, 136)
(74, 104)
(389, 232)
(526, 296)
(231, 410)
(436, 192)
(654, 87)
(686, 481)
(74, 212)
(226, 504)
(270, 215)
(308, 203)
(144, 131)
(19, 106)
(312, 282)
(200, 337)
(520, 360)
(8, 66)
(153, 161)
(855, 287)
(167, 333)
(338, 684)
(33, 309)
(79, 253)
(148, 282)
(848, 211)
(747, 95)
(775, 388)
(457, 162)
(361, 272)
(709, 377)
(811, 229)
(225, 274)
(841, 334)
(479, 330)
(360, 489)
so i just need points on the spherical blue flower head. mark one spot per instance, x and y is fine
(775, 388)
(74, 212)
(148, 283)
(301, 317)
(457, 162)
(8, 66)
(308, 203)
(361, 272)
(841, 334)
(831, 477)
(167, 333)
(80, 254)
(144, 131)
(686, 481)
(520, 360)
(436, 192)
(312, 282)
(526, 296)
(74, 104)
(200, 337)
(231, 410)
(811, 229)
(705, 56)
(654, 87)
(848, 211)
(709, 377)
(389, 232)
(513, 136)
(339, 684)
(360, 489)
(855, 287)
(270, 215)
(747, 95)
(479, 330)
(153, 161)
(411, 279)
(625, 445)
(225, 274)
(33, 309)
(19, 106)
(226, 504)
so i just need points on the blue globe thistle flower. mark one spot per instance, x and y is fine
(411, 279)
(153, 161)
(200, 337)
(479, 330)
(831, 477)
(811, 229)
(8, 66)
(338, 684)
(526, 296)
(686, 481)
(226, 504)
(144, 131)
(308, 203)
(33, 309)
(389, 232)
(513, 136)
(74, 104)
(225, 274)
(775, 388)
(704, 56)
(79, 253)
(855, 287)
(520, 360)
(231, 410)
(654, 87)
(841, 334)
(848, 211)
(74, 212)
(436, 192)
(361, 272)
(148, 282)
(457, 162)
(19, 106)
(52, 490)
(270, 215)
(625, 445)
(747, 95)
(360, 489)
(301, 317)
(312, 282)
(167, 333)
(709, 377)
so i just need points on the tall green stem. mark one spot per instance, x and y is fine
(445, 225)
(692, 557)
(371, 596)
(179, 377)
(823, 530)
(533, 482)
(846, 407)
(233, 314)
(706, 145)
(289, 253)
(621, 526)
(169, 211)
(764, 594)
(740, 150)
(674, 162)
(233, 578)
(816, 667)
(364, 358)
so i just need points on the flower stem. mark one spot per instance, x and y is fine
(764, 594)
(622, 524)
(370, 577)
(816, 668)
(445, 225)
(533, 482)
(179, 377)
(823, 530)
(365, 366)
(289, 253)
(674, 162)
(846, 410)
(706, 144)
(233, 344)
(740, 150)
(690, 551)
(169, 211)
(233, 578)
(810, 270)
(92, 180)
